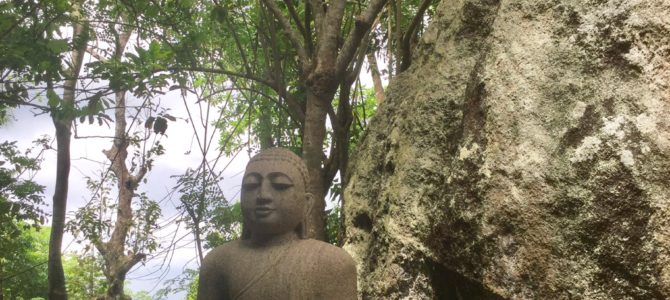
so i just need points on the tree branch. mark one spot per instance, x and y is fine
(317, 8)
(290, 33)
(296, 19)
(131, 260)
(308, 29)
(268, 83)
(405, 50)
(328, 37)
(14, 102)
(239, 46)
(356, 64)
(363, 24)
(376, 78)
(135, 179)
(95, 54)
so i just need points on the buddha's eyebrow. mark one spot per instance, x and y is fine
(253, 174)
(276, 175)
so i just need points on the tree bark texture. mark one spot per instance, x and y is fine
(55, 272)
(62, 118)
(118, 259)
(313, 138)
(525, 154)
(376, 78)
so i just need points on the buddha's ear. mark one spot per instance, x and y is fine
(309, 203)
(303, 230)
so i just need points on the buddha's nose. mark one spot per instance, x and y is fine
(264, 193)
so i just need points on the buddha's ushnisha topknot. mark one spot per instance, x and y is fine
(282, 154)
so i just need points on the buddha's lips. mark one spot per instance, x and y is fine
(263, 211)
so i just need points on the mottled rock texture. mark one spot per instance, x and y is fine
(524, 155)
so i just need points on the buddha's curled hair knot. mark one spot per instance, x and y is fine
(285, 155)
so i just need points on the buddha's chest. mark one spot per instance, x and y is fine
(272, 275)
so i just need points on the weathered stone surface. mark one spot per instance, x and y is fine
(524, 155)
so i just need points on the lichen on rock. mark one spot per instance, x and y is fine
(525, 154)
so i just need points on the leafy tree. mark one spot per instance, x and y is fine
(207, 213)
(23, 270)
(23, 242)
(20, 199)
(34, 65)
(212, 219)
(140, 295)
(226, 222)
(45, 44)
(85, 278)
(186, 282)
(83, 272)
(292, 65)
(98, 224)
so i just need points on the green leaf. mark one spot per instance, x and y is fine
(57, 46)
(53, 99)
(154, 49)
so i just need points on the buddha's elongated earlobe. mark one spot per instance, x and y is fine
(303, 231)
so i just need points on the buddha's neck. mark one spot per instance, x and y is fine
(261, 240)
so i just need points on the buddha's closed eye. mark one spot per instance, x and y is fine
(280, 186)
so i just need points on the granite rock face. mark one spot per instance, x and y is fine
(524, 155)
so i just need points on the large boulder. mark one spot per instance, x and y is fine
(524, 155)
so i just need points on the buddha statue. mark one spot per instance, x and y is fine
(274, 259)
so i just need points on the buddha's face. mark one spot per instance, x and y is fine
(273, 197)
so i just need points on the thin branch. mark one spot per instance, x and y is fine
(14, 102)
(396, 11)
(95, 54)
(219, 71)
(308, 29)
(296, 19)
(363, 24)
(331, 165)
(290, 33)
(239, 46)
(405, 50)
(376, 78)
(357, 63)
(318, 10)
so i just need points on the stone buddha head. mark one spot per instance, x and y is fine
(274, 199)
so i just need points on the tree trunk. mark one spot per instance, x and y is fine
(62, 117)
(313, 137)
(117, 262)
(322, 68)
(55, 266)
(523, 155)
(376, 78)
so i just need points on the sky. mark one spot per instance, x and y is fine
(181, 153)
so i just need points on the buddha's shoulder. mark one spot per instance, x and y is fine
(325, 251)
(223, 252)
(326, 262)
